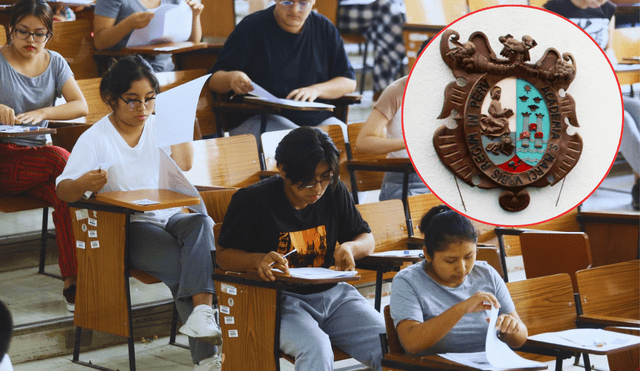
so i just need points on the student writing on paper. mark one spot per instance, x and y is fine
(32, 78)
(441, 304)
(114, 21)
(306, 207)
(290, 51)
(170, 245)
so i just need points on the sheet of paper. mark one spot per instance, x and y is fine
(318, 273)
(172, 178)
(170, 23)
(498, 353)
(145, 202)
(17, 128)
(176, 112)
(400, 253)
(591, 339)
(261, 94)
(356, 2)
(477, 360)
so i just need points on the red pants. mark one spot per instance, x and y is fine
(33, 171)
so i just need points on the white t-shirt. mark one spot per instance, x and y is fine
(133, 167)
(390, 105)
(5, 364)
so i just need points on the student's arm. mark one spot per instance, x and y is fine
(75, 107)
(182, 154)
(196, 26)
(241, 261)
(416, 336)
(512, 330)
(70, 190)
(223, 81)
(348, 252)
(608, 50)
(372, 137)
(106, 33)
(331, 89)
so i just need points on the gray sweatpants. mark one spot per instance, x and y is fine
(180, 256)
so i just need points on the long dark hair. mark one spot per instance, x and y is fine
(36, 8)
(119, 78)
(442, 226)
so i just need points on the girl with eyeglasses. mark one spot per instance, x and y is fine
(168, 244)
(32, 78)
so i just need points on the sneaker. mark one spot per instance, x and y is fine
(70, 295)
(202, 325)
(210, 364)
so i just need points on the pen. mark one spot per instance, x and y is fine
(286, 255)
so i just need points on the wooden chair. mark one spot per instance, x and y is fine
(537, 3)
(481, 4)
(438, 12)
(223, 11)
(624, 361)
(610, 294)
(414, 34)
(546, 253)
(229, 162)
(393, 341)
(545, 304)
(74, 41)
(491, 255)
(3, 35)
(614, 237)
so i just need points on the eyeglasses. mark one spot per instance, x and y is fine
(302, 5)
(312, 184)
(134, 104)
(38, 37)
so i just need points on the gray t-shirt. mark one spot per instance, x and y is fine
(416, 296)
(24, 94)
(121, 9)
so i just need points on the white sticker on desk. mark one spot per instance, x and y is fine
(93, 233)
(229, 320)
(231, 290)
(230, 302)
(95, 244)
(80, 244)
(233, 333)
(224, 309)
(95, 214)
(82, 214)
(93, 222)
(84, 227)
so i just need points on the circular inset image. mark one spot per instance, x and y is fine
(512, 115)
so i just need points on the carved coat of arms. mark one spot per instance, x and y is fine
(512, 116)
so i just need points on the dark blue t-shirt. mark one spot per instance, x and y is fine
(280, 61)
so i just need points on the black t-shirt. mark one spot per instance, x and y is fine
(280, 61)
(261, 219)
(595, 21)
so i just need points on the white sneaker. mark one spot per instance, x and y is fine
(210, 364)
(202, 325)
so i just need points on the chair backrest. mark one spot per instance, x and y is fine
(628, 360)
(547, 253)
(387, 223)
(393, 341)
(91, 90)
(3, 35)
(611, 290)
(438, 12)
(414, 35)
(74, 41)
(224, 14)
(614, 236)
(491, 255)
(365, 180)
(537, 3)
(328, 9)
(217, 202)
(230, 162)
(481, 4)
(545, 304)
(626, 42)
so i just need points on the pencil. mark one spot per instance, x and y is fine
(286, 255)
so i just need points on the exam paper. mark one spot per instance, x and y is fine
(176, 112)
(262, 94)
(498, 353)
(171, 23)
(172, 178)
(589, 339)
(318, 273)
(400, 253)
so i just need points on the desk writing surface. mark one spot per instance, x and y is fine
(276, 105)
(165, 198)
(155, 49)
(41, 131)
(412, 362)
(253, 274)
(604, 342)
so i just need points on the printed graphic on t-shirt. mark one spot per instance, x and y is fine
(597, 28)
(311, 245)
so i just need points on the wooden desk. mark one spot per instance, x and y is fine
(103, 300)
(250, 318)
(414, 34)
(613, 237)
(395, 361)
(41, 131)
(628, 74)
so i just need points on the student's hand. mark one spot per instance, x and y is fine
(93, 180)
(306, 94)
(31, 117)
(196, 7)
(508, 324)
(139, 20)
(240, 82)
(343, 256)
(481, 301)
(264, 268)
(7, 115)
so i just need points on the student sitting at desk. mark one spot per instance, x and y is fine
(115, 20)
(32, 77)
(440, 304)
(168, 244)
(291, 52)
(307, 208)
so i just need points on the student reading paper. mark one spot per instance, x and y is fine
(168, 244)
(441, 304)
